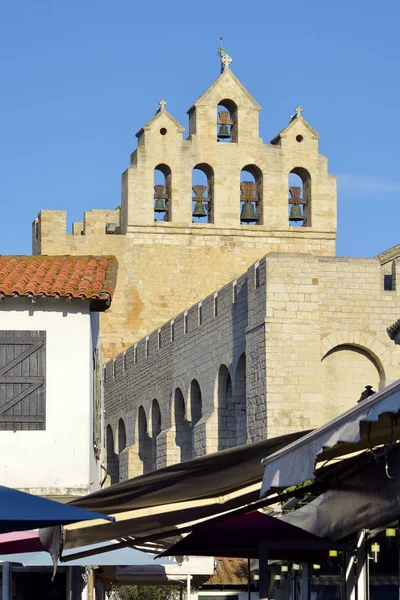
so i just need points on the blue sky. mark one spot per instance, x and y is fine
(79, 78)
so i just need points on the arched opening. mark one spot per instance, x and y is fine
(112, 458)
(155, 430)
(121, 436)
(198, 427)
(203, 194)
(162, 193)
(345, 371)
(226, 411)
(240, 401)
(251, 190)
(299, 198)
(227, 121)
(182, 427)
(144, 441)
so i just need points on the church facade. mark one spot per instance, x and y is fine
(169, 258)
(233, 320)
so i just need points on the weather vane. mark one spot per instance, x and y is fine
(225, 58)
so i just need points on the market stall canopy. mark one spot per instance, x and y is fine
(20, 542)
(371, 423)
(163, 501)
(240, 536)
(362, 492)
(20, 511)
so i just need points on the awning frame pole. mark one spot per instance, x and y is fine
(362, 566)
(6, 587)
(305, 581)
(248, 580)
(263, 584)
(349, 578)
(188, 586)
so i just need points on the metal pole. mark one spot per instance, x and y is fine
(362, 567)
(188, 586)
(263, 584)
(6, 588)
(248, 580)
(305, 581)
(349, 564)
(398, 556)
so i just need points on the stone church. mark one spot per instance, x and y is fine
(233, 320)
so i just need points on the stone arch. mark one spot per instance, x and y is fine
(155, 431)
(162, 193)
(227, 121)
(144, 441)
(226, 410)
(197, 423)
(203, 193)
(240, 400)
(183, 437)
(345, 371)
(121, 436)
(300, 208)
(251, 195)
(112, 457)
(365, 341)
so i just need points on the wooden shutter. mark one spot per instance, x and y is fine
(22, 380)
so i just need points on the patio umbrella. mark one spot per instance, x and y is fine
(20, 511)
(240, 536)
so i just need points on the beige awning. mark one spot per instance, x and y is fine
(371, 423)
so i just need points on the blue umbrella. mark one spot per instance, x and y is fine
(20, 511)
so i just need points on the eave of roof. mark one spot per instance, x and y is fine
(86, 277)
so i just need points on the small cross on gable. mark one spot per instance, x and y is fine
(226, 61)
(298, 110)
(162, 104)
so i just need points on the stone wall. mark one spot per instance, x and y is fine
(271, 352)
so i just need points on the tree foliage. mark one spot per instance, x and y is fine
(146, 592)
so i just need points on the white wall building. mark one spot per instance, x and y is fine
(50, 372)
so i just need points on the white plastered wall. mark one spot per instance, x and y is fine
(56, 461)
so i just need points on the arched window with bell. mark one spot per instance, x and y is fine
(227, 121)
(251, 190)
(203, 194)
(162, 193)
(299, 197)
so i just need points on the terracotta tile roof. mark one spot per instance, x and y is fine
(229, 571)
(91, 277)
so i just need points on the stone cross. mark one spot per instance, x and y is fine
(226, 61)
(298, 110)
(162, 104)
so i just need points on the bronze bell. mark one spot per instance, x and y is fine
(159, 206)
(199, 210)
(223, 133)
(248, 214)
(295, 213)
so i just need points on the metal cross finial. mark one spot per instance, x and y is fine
(162, 103)
(298, 110)
(225, 58)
